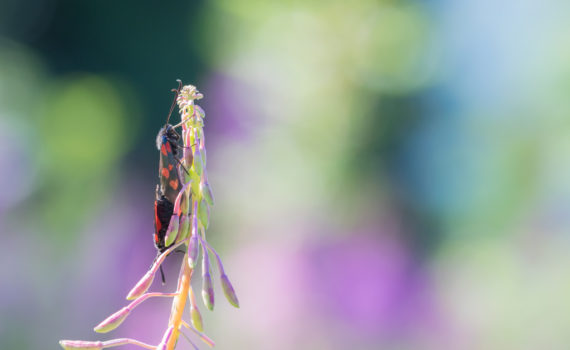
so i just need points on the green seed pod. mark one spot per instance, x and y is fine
(193, 251)
(206, 192)
(208, 291)
(204, 214)
(142, 286)
(196, 318)
(195, 185)
(184, 204)
(184, 230)
(172, 230)
(198, 164)
(229, 291)
(112, 321)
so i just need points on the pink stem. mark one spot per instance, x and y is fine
(144, 297)
(125, 341)
(219, 260)
(202, 336)
(163, 256)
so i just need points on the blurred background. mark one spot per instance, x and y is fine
(388, 174)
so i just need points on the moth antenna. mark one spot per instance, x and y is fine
(176, 92)
(182, 122)
(182, 165)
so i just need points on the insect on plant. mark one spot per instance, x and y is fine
(168, 173)
(181, 217)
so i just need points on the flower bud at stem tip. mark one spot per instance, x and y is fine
(193, 251)
(196, 319)
(229, 290)
(112, 321)
(172, 231)
(142, 286)
(208, 291)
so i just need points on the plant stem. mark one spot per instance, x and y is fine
(179, 303)
(125, 341)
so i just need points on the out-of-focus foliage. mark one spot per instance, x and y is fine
(388, 174)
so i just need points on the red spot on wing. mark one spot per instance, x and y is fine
(163, 149)
(157, 223)
(165, 172)
(168, 148)
(173, 184)
(169, 166)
